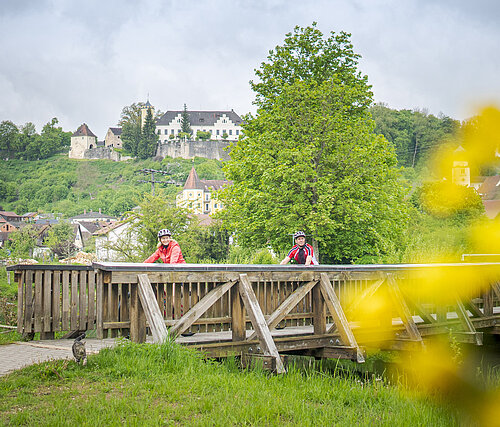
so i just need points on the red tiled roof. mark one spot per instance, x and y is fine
(492, 208)
(84, 130)
(192, 181)
(489, 188)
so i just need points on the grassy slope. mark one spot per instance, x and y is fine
(171, 385)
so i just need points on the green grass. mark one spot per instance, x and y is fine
(172, 385)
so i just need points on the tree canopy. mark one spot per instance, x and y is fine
(310, 159)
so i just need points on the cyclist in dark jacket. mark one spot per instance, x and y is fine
(302, 252)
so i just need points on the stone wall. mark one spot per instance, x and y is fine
(188, 149)
(104, 153)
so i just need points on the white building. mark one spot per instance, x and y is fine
(218, 123)
(83, 139)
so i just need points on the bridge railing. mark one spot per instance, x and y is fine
(55, 298)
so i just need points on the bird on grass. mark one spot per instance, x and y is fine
(79, 350)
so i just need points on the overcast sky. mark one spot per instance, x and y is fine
(83, 61)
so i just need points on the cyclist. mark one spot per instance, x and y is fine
(302, 252)
(168, 249)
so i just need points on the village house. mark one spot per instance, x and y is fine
(217, 123)
(92, 217)
(197, 194)
(83, 139)
(113, 138)
(108, 239)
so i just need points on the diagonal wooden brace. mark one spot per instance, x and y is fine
(259, 322)
(286, 306)
(403, 310)
(200, 308)
(151, 309)
(467, 323)
(367, 293)
(333, 304)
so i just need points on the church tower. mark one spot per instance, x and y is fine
(460, 173)
(144, 111)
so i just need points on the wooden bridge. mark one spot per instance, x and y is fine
(264, 311)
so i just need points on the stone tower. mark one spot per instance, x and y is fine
(144, 111)
(460, 172)
(83, 139)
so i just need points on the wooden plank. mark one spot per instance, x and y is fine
(99, 305)
(21, 294)
(92, 302)
(74, 301)
(169, 305)
(65, 301)
(259, 322)
(488, 302)
(319, 311)
(466, 322)
(38, 301)
(56, 301)
(201, 307)
(28, 310)
(403, 310)
(151, 309)
(124, 314)
(287, 305)
(137, 317)
(83, 302)
(113, 308)
(238, 315)
(473, 308)
(177, 300)
(338, 315)
(496, 290)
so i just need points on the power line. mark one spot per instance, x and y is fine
(152, 179)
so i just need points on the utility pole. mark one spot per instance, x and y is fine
(153, 181)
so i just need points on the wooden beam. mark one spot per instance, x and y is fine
(200, 308)
(333, 304)
(466, 322)
(496, 289)
(21, 294)
(151, 309)
(259, 322)
(286, 306)
(367, 293)
(403, 310)
(474, 309)
(137, 317)
(238, 316)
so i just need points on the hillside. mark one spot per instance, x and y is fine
(66, 186)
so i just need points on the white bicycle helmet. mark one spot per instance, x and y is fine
(299, 234)
(164, 232)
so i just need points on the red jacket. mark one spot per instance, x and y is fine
(169, 255)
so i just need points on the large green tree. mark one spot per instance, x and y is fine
(310, 159)
(131, 123)
(149, 140)
(185, 126)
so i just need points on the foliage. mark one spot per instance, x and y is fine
(22, 242)
(224, 135)
(25, 143)
(307, 56)
(446, 200)
(203, 136)
(310, 159)
(131, 123)
(60, 239)
(415, 134)
(147, 145)
(208, 244)
(185, 126)
(59, 184)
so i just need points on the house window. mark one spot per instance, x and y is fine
(159, 131)
(206, 206)
(190, 194)
(218, 131)
(230, 131)
(166, 132)
(237, 132)
(210, 131)
(207, 196)
(215, 206)
(172, 131)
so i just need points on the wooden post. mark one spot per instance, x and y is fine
(99, 305)
(38, 301)
(137, 316)
(92, 300)
(28, 311)
(74, 301)
(238, 315)
(319, 311)
(21, 294)
(113, 308)
(56, 301)
(488, 302)
(65, 301)
(83, 302)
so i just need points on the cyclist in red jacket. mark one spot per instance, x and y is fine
(302, 252)
(168, 249)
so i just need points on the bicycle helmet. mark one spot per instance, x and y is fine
(164, 232)
(299, 234)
